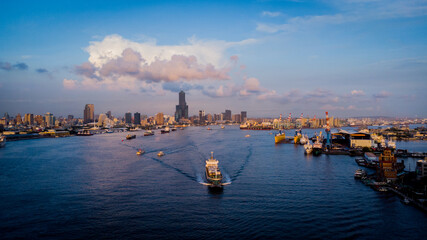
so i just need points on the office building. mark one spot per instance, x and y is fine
(29, 119)
(227, 115)
(243, 116)
(49, 119)
(159, 119)
(137, 118)
(89, 113)
(128, 118)
(201, 116)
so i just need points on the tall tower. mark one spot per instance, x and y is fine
(181, 108)
(89, 113)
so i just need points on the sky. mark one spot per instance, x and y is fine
(349, 57)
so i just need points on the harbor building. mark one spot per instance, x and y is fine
(388, 166)
(137, 118)
(89, 113)
(181, 111)
(421, 168)
(360, 140)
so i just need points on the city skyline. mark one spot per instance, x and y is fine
(351, 58)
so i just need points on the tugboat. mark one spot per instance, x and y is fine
(318, 145)
(279, 137)
(213, 174)
(160, 154)
(2, 141)
(129, 137)
(140, 152)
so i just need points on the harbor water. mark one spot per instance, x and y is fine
(97, 187)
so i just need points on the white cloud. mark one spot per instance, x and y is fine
(69, 84)
(271, 14)
(357, 93)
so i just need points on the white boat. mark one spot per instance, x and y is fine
(391, 144)
(2, 141)
(248, 135)
(303, 140)
(359, 173)
(308, 147)
(213, 174)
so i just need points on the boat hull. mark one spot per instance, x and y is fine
(279, 138)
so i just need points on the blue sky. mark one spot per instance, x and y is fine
(351, 57)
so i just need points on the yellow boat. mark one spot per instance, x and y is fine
(279, 137)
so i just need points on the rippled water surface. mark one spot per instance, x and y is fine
(97, 187)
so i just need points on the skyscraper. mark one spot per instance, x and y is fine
(137, 118)
(243, 116)
(49, 119)
(227, 115)
(128, 118)
(89, 113)
(29, 119)
(181, 108)
(201, 116)
(159, 119)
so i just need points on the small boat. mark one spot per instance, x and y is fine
(140, 152)
(2, 141)
(213, 174)
(129, 137)
(222, 127)
(279, 137)
(209, 128)
(406, 201)
(361, 162)
(166, 130)
(308, 148)
(160, 154)
(304, 140)
(148, 133)
(181, 128)
(360, 173)
(173, 129)
(248, 135)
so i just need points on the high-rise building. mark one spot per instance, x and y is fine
(243, 116)
(159, 119)
(128, 118)
(209, 117)
(39, 119)
(201, 116)
(70, 117)
(18, 119)
(89, 113)
(236, 118)
(137, 118)
(108, 114)
(227, 115)
(49, 119)
(181, 108)
(29, 119)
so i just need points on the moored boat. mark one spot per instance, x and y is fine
(308, 147)
(84, 133)
(360, 173)
(2, 141)
(279, 137)
(213, 174)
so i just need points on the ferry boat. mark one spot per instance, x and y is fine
(359, 173)
(279, 137)
(129, 137)
(140, 152)
(213, 174)
(2, 141)
(148, 133)
(160, 154)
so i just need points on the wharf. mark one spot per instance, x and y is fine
(412, 201)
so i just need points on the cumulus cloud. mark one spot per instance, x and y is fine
(8, 66)
(126, 64)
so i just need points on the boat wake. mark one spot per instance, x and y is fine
(242, 167)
